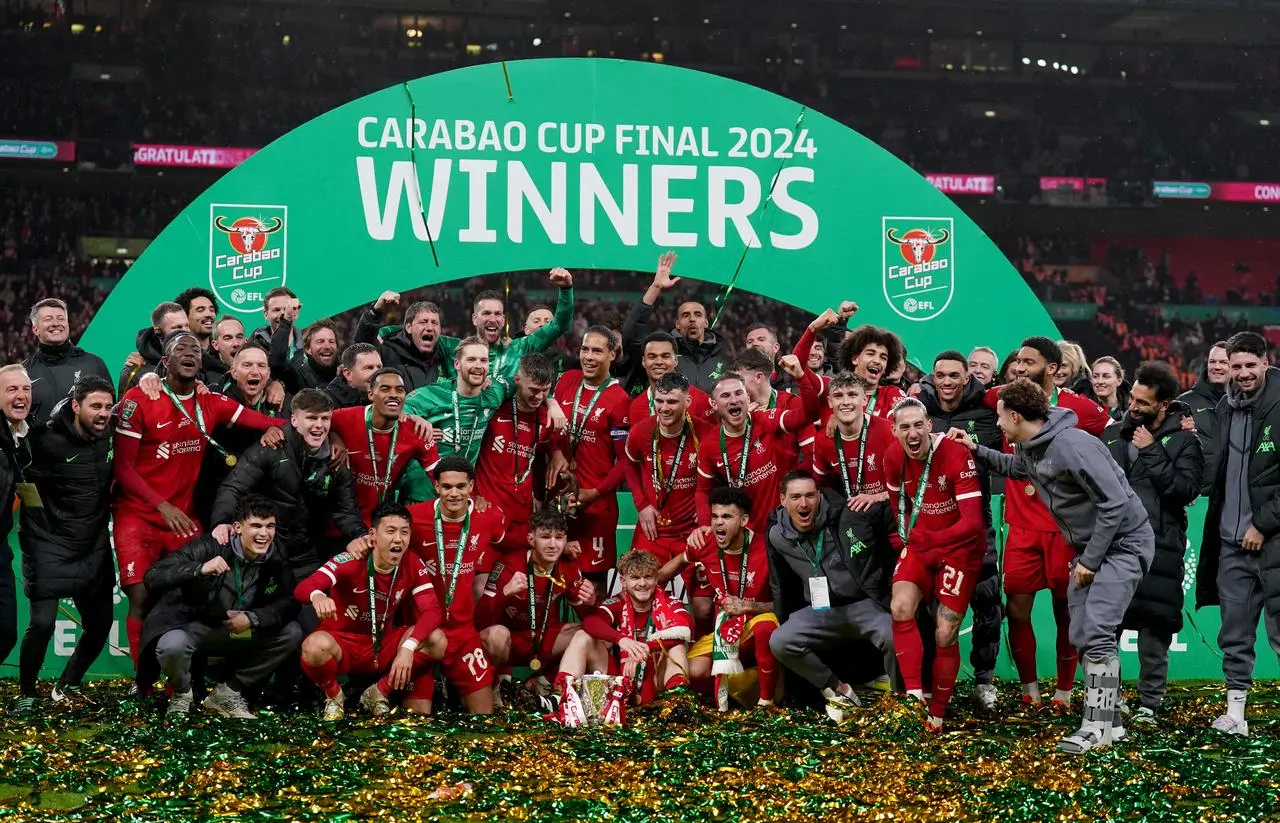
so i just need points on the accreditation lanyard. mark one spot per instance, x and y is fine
(521, 477)
(197, 421)
(742, 460)
(457, 557)
(578, 425)
(384, 485)
(664, 486)
(540, 629)
(905, 527)
(844, 461)
(376, 627)
(742, 569)
(460, 446)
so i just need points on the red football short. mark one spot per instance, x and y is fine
(140, 543)
(465, 665)
(596, 530)
(357, 653)
(522, 645)
(949, 576)
(1035, 560)
(664, 548)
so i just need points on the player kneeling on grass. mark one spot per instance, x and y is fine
(227, 601)
(641, 634)
(379, 617)
(737, 567)
(520, 607)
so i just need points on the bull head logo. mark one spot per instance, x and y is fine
(918, 245)
(247, 234)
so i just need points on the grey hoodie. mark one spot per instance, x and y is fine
(1080, 483)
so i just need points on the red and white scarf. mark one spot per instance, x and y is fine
(670, 619)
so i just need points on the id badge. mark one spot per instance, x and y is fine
(29, 495)
(819, 594)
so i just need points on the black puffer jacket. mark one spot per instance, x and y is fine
(1203, 399)
(150, 346)
(305, 487)
(343, 396)
(64, 543)
(857, 555)
(1166, 476)
(186, 596)
(399, 353)
(974, 417)
(53, 370)
(1263, 489)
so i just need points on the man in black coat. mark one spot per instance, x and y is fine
(351, 387)
(413, 350)
(307, 490)
(166, 319)
(313, 365)
(233, 601)
(1165, 468)
(954, 398)
(814, 536)
(63, 536)
(57, 363)
(1239, 568)
(1204, 396)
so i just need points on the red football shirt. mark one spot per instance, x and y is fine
(675, 494)
(699, 406)
(828, 465)
(950, 517)
(602, 423)
(757, 586)
(512, 611)
(504, 468)
(487, 530)
(761, 480)
(370, 470)
(169, 446)
(1022, 506)
(400, 598)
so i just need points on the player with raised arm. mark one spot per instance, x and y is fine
(1036, 555)
(159, 445)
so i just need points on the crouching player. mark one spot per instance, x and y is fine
(737, 567)
(641, 634)
(379, 617)
(520, 608)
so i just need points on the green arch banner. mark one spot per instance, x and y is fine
(598, 164)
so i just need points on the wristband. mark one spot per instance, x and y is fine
(312, 598)
(410, 644)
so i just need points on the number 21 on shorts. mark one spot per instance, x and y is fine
(952, 580)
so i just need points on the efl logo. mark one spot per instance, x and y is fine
(247, 253)
(918, 265)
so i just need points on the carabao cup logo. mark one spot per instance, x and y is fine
(919, 265)
(247, 246)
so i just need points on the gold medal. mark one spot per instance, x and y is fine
(1029, 490)
(663, 520)
(535, 664)
(230, 459)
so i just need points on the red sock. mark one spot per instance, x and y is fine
(1022, 648)
(766, 665)
(325, 676)
(910, 652)
(133, 628)
(946, 665)
(1067, 656)
(384, 685)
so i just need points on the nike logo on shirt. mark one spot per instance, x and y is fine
(162, 425)
(72, 458)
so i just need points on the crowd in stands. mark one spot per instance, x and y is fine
(264, 71)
